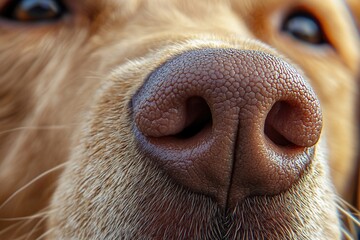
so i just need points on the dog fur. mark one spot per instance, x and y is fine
(69, 166)
(355, 10)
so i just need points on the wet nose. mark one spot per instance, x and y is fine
(228, 123)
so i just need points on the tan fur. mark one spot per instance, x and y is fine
(355, 10)
(65, 89)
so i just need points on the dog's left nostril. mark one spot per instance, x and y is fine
(282, 126)
(198, 118)
(278, 120)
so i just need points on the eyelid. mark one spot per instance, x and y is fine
(40, 11)
(306, 18)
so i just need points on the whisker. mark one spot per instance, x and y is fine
(31, 217)
(349, 219)
(45, 234)
(352, 208)
(53, 127)
(25, 221)
(349, 215)
(346, 234)
(20, 225)
(60, 166)
(23, 225)
(11, 227)
(36, 227)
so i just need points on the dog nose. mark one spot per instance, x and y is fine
(228, 123)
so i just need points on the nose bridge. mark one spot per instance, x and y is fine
(188, 20)
(260, 120)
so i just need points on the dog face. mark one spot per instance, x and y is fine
(177, 119)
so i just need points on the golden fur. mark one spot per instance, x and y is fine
(65, 89)
(355, 10)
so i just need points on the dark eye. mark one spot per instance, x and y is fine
(33, 10)
(304, 27)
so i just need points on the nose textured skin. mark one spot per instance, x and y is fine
(228, 123)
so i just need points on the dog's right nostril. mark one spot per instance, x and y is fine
(198, 118)
(228, 123)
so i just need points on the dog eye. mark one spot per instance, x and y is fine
(33, 10)
(304, 27)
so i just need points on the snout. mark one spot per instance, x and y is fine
(228, 123)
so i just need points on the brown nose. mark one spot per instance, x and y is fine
(228, 123)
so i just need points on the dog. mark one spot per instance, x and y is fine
(175, 119)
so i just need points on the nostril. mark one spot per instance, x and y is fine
(277, 138)
(198, 118)
(277, 114)
(284, 126)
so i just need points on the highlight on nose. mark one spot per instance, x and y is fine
(228, 123)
